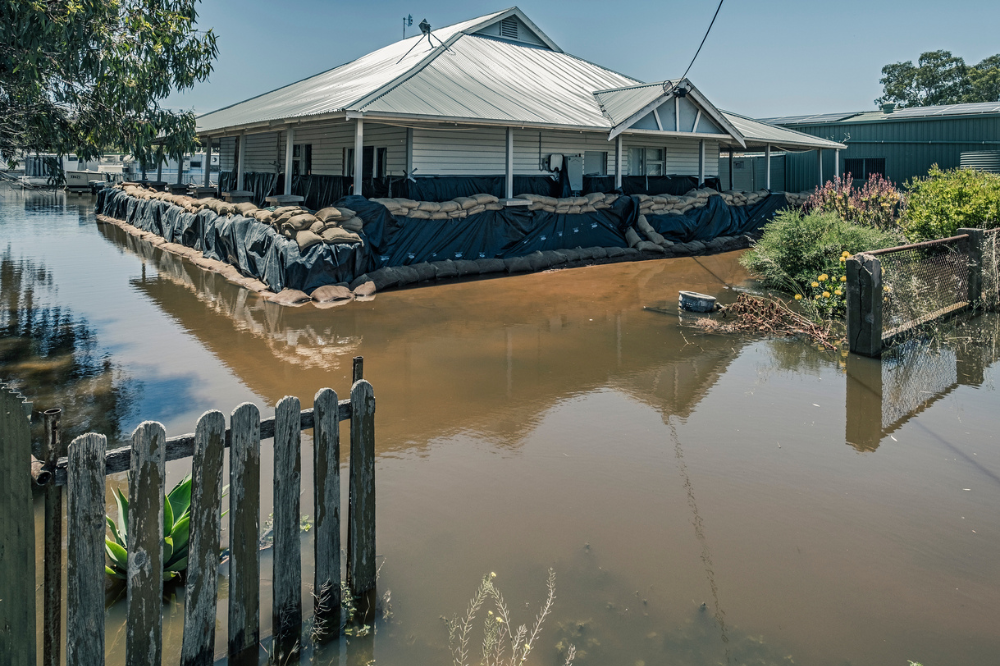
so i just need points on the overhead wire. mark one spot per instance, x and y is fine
(691, 64)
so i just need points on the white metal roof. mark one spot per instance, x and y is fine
(758, 134)
(490, 79)
(463, 76)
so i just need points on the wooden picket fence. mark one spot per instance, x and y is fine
(83, 473)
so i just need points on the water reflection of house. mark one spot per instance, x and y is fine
(482, 354)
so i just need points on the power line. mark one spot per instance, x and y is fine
(714, 16)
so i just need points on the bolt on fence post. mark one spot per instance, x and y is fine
(974, 248)
(864, 305)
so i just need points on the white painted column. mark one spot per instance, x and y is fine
(767, 166)
(509, 186)
(702, 165)
(732, 186)
(241, 160)
(359, 149)
(409, 151)
(836, 163)
(618, 161)
(819, 165)
(289, 147)
(208, 163)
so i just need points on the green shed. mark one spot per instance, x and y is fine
(897, 143)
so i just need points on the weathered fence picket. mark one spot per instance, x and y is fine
(52, 590)
(84, 471)
(198, 646)
(244, 532)
(286, 608)
(85, 546)
(17, 538)
(361, 530)
(326, 502)
(144, 630)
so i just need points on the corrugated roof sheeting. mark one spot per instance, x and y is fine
(757, 132)
(337, 88)
(911, 113)
(621, 103)
(496, 80)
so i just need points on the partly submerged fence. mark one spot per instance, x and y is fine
(896, 291)
(83, 473)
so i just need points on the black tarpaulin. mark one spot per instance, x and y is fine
(716, 219)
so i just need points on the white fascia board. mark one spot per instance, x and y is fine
(675, 135)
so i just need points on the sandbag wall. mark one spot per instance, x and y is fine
(394, 242)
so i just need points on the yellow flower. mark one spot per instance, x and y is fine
(843, 260)
(839, 292)
(816, 297)
(815, 284)
(798, 297)
(845, 254)
(887, 288)
(843, 278)
(493, 574)
(826, 294)
(500, 620)
(823, 278)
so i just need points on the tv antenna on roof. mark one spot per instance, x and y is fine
(407, 20)
(425, 30)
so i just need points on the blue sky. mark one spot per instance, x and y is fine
(763, 57)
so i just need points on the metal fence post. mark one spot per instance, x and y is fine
(864, 305)
(975, 250)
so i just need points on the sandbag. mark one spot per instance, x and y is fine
(354, 224)
(445, 269)
(490, 266)
(466, 267)
(290, 297)
(301, 221)
(331, 292)
(306, 239)
(338, 235)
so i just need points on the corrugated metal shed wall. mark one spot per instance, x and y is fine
(750, 173)
(909, 147)
(982, 160)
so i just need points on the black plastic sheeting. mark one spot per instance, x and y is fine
(257, 250)
(716, 219)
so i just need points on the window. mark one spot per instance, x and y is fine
(195, 164)
(370, 168)
(71, 158)
(302, 155)
(595, 163)
(647, 161)
(862, 168)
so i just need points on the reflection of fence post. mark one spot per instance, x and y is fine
(863, 429)
(864, 305)
(975, 251)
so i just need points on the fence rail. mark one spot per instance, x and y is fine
(895, 291)
(83, 472)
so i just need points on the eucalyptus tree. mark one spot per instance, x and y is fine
(89, 76)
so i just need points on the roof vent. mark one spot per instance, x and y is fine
(508, 27)
(888, 107)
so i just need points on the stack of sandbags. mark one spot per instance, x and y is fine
(571, 205)
(457, 208)
(797, 200)
(650, 233)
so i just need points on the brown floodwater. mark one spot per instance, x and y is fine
(702, 498)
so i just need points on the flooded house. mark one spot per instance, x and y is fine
(490, 105)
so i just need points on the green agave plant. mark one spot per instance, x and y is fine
(176, 532)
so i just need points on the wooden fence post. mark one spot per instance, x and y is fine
(244, 535)
(358, 370)
(17, 536)
(85, 549)
(144, 629)
(286, 609)
(974, 248)
(198, 645)
(52, 595)
(864, 305)
(326, 500)
(361, 534)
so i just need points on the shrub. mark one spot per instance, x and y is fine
(796, 248)
(947, 200)
(877, 203)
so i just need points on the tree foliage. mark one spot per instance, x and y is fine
(940, 78)
(88, 76)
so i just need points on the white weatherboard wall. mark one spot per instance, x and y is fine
(227, 153)
(476, 151)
